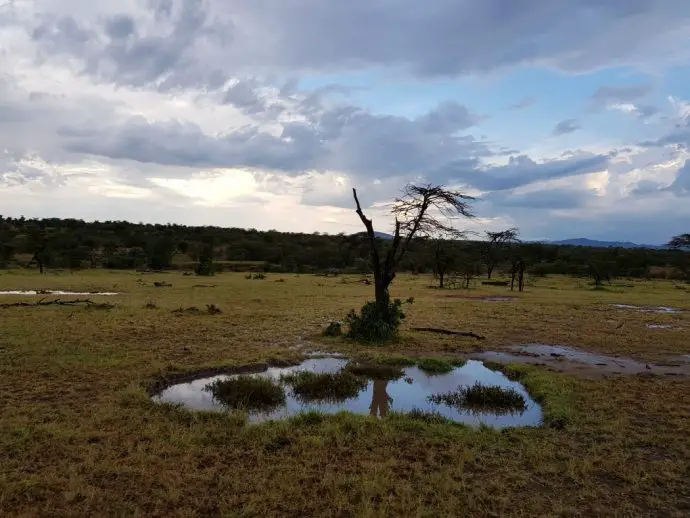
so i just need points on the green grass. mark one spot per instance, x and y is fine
(333, 387)
(79, 435)
(481, 396)
(248, 393)
(435, 365)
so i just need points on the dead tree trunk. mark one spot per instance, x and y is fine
(383, 270)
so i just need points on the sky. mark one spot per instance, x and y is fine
(568, 118)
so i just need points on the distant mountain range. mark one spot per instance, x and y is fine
(602, 244)
(582, 241)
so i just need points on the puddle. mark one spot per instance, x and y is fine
(659, 326)
(378, 398)
(568, 358)
(648, 309)
(57, 292)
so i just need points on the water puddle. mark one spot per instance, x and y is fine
(568, 358)
(659, 326)
(648, 309)
(58, 292)
(411, 391)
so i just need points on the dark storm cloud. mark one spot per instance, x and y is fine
(193, 42)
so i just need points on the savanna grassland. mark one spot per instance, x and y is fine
(79, 435)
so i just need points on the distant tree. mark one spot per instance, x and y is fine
(495, 246)
(445, 261)
(160, 252)
(38, 242)
(600, 268)
(469, 265)
(205, 265)
(6, 253)
(681, 242)
(681, 246)
(423, 210)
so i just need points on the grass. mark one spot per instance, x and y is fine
(481, 396)
(375, 371)
(435, 365)
(333, 387)
(79, 434)
(248, 393)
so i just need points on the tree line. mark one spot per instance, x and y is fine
(76, 244)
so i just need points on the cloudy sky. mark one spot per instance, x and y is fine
(566, 118)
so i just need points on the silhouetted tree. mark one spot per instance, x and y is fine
(680, 242)
(495, 246)
(423, 210)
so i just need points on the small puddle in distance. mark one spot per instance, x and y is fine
(648, 309)
(567, 357)
(378, 398)
(57, 292)
(659, 326)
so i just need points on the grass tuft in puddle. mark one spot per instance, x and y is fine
(435, 365)
(375, 371)
(248, 392)
(312, 386)
(481, 396)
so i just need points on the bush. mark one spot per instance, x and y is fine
(334, 387)
(248, 392)
(481, 396)
(370, 325)
(435, 365)
(333, 329)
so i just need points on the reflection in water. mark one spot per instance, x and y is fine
(380, 400)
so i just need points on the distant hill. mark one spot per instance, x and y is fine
(603, 244)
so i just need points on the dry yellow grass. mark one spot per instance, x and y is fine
(79, 436)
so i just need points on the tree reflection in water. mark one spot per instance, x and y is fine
(380, 400)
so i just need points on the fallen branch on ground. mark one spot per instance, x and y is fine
(469, 334)
(58, 302)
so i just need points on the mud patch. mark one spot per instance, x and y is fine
(376, 397)
(569, 359)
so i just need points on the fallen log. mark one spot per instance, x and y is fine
(469, 334)
(57, 302)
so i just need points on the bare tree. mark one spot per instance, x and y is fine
(495, 245)
(422, 210)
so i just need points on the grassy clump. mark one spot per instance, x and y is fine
(312, 386)
(375, 371)
(425, 416)
(484, 396)
(248, 393)
(435, 365)
(397, 360)
(550, 391)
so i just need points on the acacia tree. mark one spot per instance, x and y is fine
(681, 244)
(422, 210)
(495, 245)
